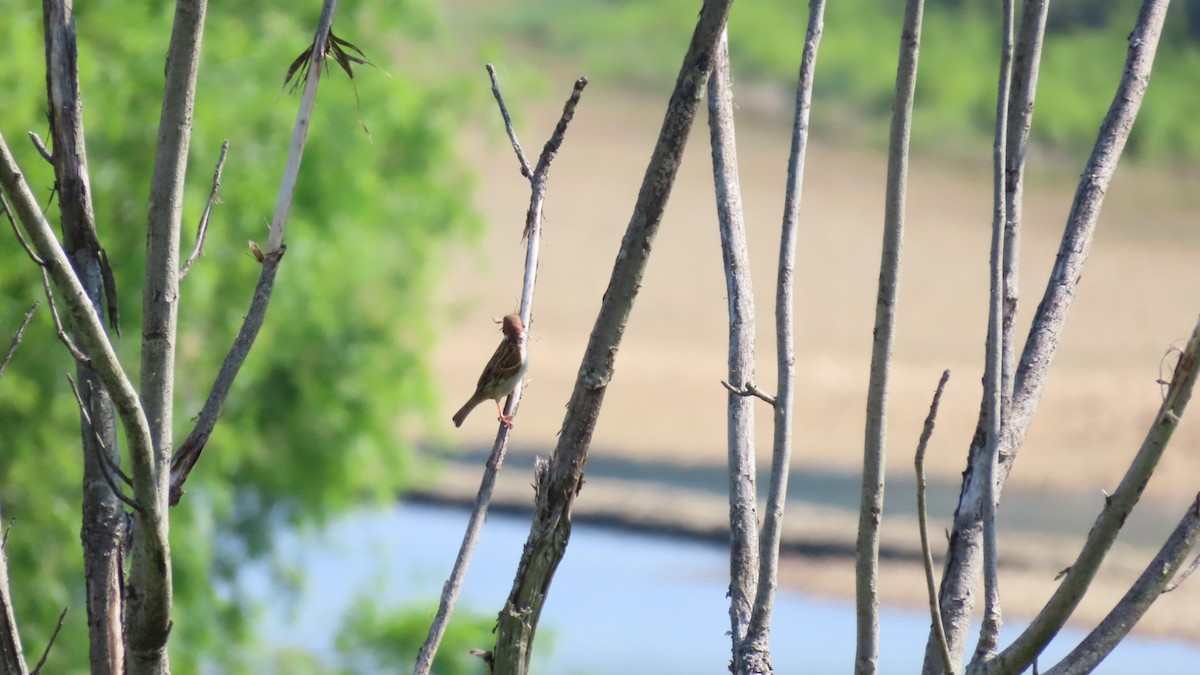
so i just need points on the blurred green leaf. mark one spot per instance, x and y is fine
(338, 377)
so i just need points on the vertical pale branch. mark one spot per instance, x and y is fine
(757, 641)
(963, 557)
(533, 236)
(102, 529)
(558, 483)
(1130, 609)
(189, 452)
(1026, 60)
(871, 509)
(149, 617)
(1020, 654)
(739, 290)
(160, 298)
(989, 631)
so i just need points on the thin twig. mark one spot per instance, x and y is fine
(1075, 583)
(772, 527)
(12, 657)
(994, 399)
(508, 124)
(46, 652)
(935, 611)
(533, 231)
(106, 464)
(17, 231)
(202, 227)
(750, 389)
(16, 338)
(46, 155)
(58, 326)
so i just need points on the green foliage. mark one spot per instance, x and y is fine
(374, 639)
(856, 69)
(337, 379)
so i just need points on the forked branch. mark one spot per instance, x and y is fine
(533, 237)
(996, 404)
(189, 452)
(1020, 654)
(963, 564)
(1156, 580)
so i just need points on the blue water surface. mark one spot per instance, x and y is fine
(620, 602)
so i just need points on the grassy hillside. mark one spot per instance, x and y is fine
(642, 42)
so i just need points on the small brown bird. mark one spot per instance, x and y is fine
(502, 373)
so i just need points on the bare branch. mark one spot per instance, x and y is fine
(874, 449)
(12, 658)
(540, 174)
(202, 227)
(560, 482)
(962, 566)
(40, 146)
(1129, 610)
(90, 276)
(53, 636)
(508, 124)
(188, 454)
(743, 493)
(1026, 61)
(58, 326)
(1066, 597)
(160, 298)
(994, 400)
(16, 338)
(291, 172)
(17, 231)
(935, 611)
(533, 231)
(772, 527)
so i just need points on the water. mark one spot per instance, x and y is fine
(620, 602)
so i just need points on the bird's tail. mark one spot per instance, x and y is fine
(461, 415)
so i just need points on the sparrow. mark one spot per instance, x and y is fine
(502, 373)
